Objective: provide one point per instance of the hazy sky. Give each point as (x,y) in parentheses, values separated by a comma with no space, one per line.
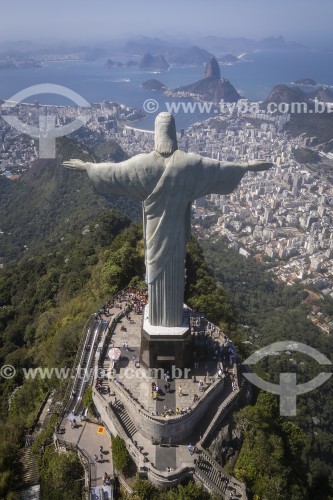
(81,20)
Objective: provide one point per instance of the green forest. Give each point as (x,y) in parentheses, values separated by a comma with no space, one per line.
(281,457)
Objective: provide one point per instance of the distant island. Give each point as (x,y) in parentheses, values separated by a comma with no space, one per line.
(113,64)
(154,84)
(228,60)
(211,88)
(306,82)
(153,63)
(117,64)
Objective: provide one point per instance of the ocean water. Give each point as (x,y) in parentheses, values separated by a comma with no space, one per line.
(254,77)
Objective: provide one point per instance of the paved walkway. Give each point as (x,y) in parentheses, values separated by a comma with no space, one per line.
(90,437)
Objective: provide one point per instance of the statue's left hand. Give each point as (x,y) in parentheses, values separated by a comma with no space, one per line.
(259,165)
(75,164)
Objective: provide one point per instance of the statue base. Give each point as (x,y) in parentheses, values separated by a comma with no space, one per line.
(164,347)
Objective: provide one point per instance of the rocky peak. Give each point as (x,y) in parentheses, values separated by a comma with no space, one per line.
(212,69)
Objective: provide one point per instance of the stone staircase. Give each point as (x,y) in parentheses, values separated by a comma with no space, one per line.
(218,479)
(27,469)
(124,419)
(215,476)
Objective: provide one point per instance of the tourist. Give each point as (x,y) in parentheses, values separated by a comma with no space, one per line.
(190,449)
(180,390)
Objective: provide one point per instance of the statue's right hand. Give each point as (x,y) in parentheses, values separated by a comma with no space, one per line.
(75,164)
(259,165)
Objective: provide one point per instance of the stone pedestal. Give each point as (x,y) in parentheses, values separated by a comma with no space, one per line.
(164,347)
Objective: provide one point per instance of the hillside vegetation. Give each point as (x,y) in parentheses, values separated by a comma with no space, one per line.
(50,201)
(281,457)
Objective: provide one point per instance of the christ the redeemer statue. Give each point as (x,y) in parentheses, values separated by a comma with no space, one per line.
(166,181)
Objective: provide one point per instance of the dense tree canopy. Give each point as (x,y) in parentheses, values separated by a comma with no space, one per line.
(290,457)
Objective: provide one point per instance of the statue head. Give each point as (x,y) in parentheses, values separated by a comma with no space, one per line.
(165,134)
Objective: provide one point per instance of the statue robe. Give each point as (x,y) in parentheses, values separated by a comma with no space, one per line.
(166,186)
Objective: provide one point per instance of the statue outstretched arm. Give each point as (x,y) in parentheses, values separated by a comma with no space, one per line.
(126,178)
(258,166)
(76,164)
(223,177)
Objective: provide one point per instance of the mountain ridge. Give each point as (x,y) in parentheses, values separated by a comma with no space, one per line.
(51,200)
